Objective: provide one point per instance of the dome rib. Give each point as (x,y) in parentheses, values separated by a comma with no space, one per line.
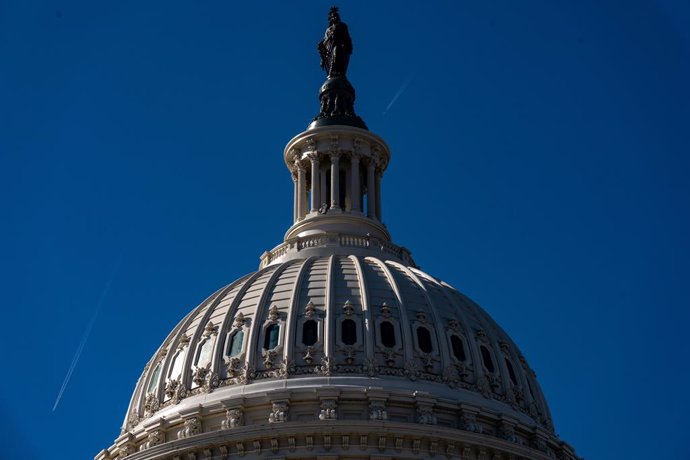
(402,311)
(329,310)
(260,312)
(194,340)
(442,347)
(229,316)
(173,346)
(366,310)
(289,353)
(217,357)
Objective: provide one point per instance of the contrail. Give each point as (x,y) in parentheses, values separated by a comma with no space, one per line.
(85,337)
(400,91)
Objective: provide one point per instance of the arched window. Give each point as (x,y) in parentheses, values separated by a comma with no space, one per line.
(348,332)
(310,332)
(271,337)
(486,357)
(387,334)
(235,345)
(511,372)
(153,384)
(458,348)
(424,340)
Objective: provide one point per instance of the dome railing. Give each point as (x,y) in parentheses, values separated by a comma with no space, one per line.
(293,246)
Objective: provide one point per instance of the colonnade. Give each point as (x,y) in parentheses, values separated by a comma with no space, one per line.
(328,192)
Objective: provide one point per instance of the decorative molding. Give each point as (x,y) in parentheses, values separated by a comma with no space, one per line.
(151,404)
(377,410)
(233,419)
(328,410)
(192,427)
(348,309)
(175,390)
(210,330)
(279,412)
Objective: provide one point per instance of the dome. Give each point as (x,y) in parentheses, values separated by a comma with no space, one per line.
(344,339)
(339,346)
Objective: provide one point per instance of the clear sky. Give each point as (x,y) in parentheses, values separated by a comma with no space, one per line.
(540,165)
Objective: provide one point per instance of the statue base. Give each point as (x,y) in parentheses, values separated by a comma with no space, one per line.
(337,97)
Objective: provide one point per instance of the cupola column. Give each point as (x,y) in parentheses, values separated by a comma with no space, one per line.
(354,180)
(378,194)
(295,212)
(315,182)
(335,180)
(301,190)
(371,189)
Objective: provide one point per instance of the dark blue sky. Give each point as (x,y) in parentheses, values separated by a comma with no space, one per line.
(540,165)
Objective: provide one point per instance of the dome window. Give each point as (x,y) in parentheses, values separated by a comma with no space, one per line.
(348,332)
(486,357)
(424,340)
(204,355)
(511,372)
(271,336)
(153,384)
(387,334)
(458,348)
(235,347)
(310,333)
(176,371)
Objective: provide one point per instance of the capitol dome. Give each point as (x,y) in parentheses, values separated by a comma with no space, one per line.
(339,346)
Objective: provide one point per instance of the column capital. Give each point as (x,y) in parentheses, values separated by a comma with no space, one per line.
(299,166)
(294,155)
(335,142)
(313,156)
(357,145)
(335,155)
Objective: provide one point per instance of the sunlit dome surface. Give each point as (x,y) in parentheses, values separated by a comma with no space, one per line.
(340,320)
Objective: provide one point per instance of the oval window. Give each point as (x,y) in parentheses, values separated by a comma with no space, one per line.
(153,384)
(458,348)
(176,371)
(204,356)
(486,357)
(387,334)
(348,331)
(271,337)
(511,372)
(310,332)
(235,347)
(424,340)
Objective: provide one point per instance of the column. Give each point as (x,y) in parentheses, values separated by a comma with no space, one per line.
(315,182)
(378,195)
(371,190)
(354,180)
(335,181)
(295,194)
(324,188)
(301,190)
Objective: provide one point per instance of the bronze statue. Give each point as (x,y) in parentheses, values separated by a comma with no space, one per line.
(336,47)
(337,96)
